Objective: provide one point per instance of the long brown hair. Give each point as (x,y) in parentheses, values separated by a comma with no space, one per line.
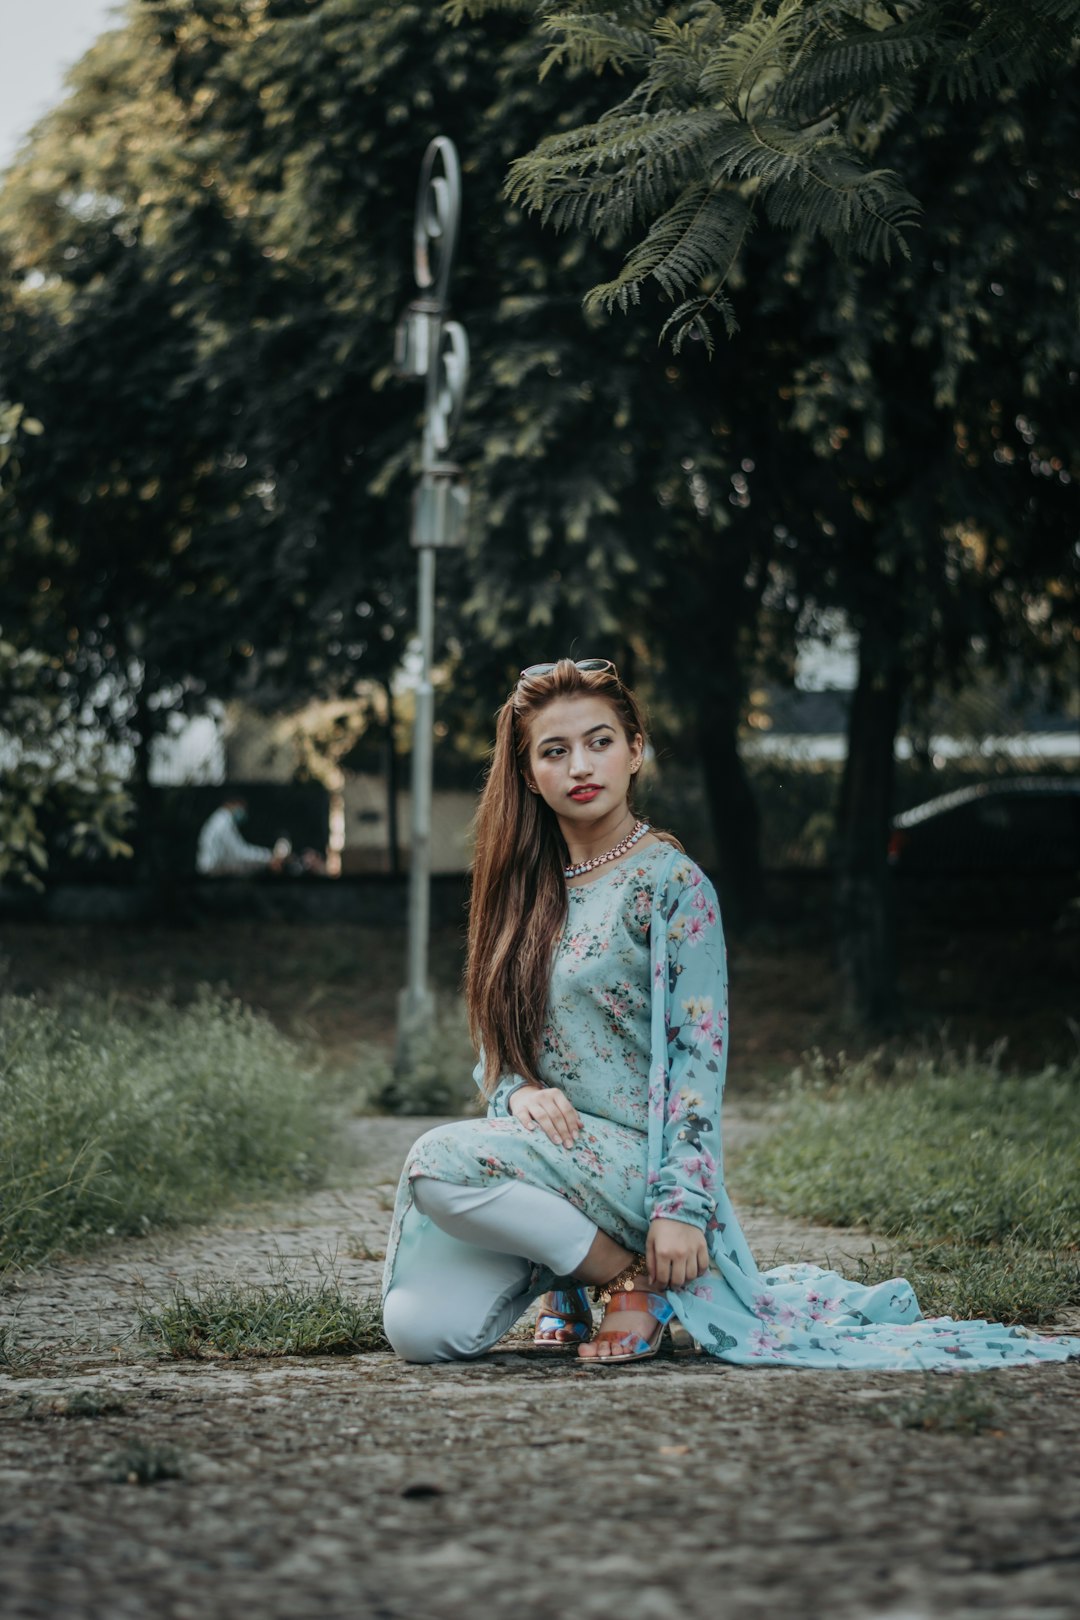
(518,904)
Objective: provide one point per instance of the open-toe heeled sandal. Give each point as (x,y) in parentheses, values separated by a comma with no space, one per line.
(631,1346)
(560,1309)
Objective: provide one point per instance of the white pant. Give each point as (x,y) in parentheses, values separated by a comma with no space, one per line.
(467,1266)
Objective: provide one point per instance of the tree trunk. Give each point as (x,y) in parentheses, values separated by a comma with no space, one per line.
(732,807)
(393,839)
(145,862)
(863,901)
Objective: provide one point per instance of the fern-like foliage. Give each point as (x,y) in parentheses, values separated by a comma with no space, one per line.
(597,42)
(459,11)
(1006,46)
(699,236)
(607,177)
(772,106)
(745,67)
(843,68)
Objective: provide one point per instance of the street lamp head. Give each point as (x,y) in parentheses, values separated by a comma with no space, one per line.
(415,338)
(438,212)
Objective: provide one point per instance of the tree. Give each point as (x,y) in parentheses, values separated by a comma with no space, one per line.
(239,251)
(749,113)
(51,772)
(908,511)
(945,397)
(211,243)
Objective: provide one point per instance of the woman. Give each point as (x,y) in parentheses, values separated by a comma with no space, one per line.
(597,991)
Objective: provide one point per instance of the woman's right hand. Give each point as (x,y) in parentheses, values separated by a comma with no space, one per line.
(549,1108)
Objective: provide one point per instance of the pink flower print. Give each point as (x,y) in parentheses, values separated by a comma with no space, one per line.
(671,1207)
(703,1027)
(695,877)
(699,902)
(788,1315)
(765,1304)
(710,915)
(761,1341)
(701,1290)
(674,1107)
(653,1177)
(695,930)
(616,1006)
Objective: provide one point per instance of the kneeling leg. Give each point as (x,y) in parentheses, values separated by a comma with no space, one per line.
(449,1300)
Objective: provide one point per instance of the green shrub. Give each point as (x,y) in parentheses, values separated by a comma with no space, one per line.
(439,1080)
(117,1124)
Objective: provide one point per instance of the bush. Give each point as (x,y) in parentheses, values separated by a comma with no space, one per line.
(439,1080)
(115,1124)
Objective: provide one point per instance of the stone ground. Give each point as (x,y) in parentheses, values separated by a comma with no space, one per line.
(521,1484)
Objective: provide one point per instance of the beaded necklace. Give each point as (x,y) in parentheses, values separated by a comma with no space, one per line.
(639,831)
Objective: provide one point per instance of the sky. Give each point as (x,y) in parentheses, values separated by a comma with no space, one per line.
(39,41)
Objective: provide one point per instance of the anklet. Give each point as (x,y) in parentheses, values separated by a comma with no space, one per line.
(602,1292)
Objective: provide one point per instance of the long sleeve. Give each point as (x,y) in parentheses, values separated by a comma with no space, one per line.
(499,1100)
(222,847)
(689,1071)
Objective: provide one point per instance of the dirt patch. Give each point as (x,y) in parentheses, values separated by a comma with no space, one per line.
(357,1487)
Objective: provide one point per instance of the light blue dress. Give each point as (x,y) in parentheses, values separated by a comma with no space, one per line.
(636,1035)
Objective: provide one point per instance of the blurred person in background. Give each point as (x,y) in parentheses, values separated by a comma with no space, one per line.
(223,851)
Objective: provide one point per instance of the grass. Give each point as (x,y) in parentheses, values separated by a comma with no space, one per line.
(949,1406)
(973,1171)
(1005,1283)
(230,1321)
(143,1462)
(936,1151)
(118,1122)
(81,1403)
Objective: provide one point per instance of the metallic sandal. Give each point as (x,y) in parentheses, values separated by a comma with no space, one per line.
(631,1346)
(564,1308)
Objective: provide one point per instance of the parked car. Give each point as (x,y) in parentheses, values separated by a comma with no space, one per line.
(1029,823)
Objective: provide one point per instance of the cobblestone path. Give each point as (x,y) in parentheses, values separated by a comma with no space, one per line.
(359,1489)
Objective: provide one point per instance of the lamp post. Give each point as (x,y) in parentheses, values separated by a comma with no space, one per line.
(428,345)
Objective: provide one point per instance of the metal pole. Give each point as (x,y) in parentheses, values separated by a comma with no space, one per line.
(418,1001)
(429,346)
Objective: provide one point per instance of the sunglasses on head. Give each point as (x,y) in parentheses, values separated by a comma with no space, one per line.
(588,665)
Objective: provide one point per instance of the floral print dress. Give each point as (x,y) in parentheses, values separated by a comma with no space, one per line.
(636,1036)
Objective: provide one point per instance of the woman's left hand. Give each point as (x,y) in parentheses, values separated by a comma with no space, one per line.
(675,1254)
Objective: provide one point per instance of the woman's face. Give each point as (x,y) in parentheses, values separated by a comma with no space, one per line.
(581,759)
